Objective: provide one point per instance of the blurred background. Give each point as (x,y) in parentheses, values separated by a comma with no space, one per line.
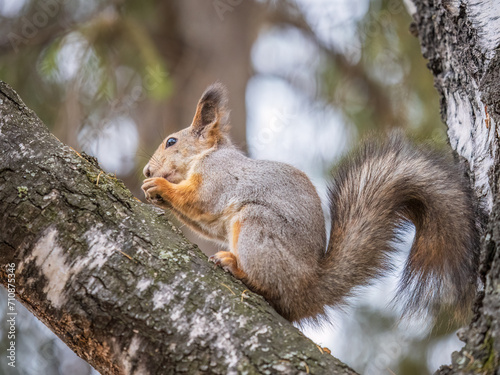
(306,80)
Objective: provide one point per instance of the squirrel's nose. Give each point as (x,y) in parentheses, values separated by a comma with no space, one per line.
(146,171)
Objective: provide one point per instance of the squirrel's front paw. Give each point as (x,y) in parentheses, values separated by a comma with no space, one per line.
(229,262)
(153,188)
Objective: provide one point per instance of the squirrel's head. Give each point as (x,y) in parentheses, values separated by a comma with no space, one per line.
(209,129)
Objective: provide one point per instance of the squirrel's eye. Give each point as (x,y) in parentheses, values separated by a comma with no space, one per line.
(170,142)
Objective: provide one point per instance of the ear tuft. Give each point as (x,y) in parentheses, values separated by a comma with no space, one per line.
(216,93)
(212,108)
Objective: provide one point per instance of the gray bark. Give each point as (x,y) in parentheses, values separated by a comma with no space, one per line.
(461,40)
(116,281)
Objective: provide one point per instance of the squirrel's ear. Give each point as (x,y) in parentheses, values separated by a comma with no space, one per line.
(212,114)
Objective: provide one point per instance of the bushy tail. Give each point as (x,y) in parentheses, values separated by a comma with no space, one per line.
(384,185)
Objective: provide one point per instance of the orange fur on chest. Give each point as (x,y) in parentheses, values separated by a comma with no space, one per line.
(185,196)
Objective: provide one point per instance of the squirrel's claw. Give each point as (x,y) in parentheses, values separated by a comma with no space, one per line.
(214,259)
(152,190)
(229,263)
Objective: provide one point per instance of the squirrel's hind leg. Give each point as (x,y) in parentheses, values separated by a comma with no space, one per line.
(277,262)
(241,235)
(229,260)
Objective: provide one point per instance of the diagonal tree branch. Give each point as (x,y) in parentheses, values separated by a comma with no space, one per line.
(116,280)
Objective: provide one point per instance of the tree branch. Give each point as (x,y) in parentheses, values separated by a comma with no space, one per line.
(116,281)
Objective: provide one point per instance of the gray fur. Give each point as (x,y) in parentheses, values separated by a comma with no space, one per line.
(280,250)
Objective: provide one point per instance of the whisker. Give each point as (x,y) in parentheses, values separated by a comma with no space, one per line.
(155,159)
(155,163)
(141,152)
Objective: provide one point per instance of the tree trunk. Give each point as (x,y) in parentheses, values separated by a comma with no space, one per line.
(115,280)
(461,40)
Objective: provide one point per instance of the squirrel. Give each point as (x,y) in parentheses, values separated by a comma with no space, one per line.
(268,217)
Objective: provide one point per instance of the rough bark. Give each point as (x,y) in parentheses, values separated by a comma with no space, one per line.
(116,281)
(461,40)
